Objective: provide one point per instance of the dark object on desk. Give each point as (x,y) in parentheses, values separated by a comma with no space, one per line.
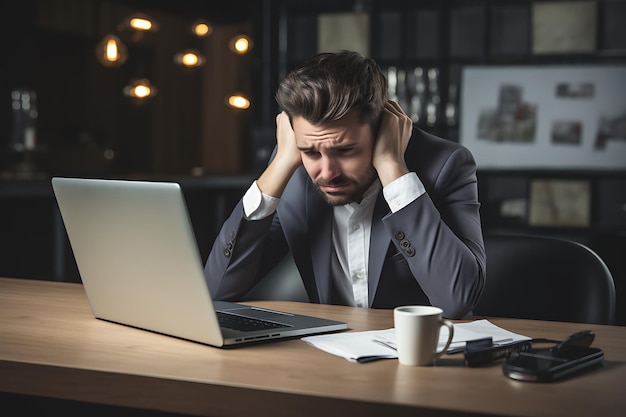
(481,352)
(570,357)
(483,355)
(546,278)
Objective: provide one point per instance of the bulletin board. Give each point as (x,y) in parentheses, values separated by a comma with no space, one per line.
(570,117)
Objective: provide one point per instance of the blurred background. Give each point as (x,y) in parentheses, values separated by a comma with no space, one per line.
(184,91)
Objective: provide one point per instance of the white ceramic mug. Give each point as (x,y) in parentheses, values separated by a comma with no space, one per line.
(417,334)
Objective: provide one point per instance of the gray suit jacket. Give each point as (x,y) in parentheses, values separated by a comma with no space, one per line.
(430,252)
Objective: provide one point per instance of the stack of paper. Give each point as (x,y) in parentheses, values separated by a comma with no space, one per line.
(379,344)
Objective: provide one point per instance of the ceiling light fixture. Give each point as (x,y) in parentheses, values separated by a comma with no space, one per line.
(141,23)
(201,29)
(139,88)
(189,58)
(240,44)
(111,51)
(238,101)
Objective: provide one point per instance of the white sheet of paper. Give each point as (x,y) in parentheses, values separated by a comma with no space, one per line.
(360,346)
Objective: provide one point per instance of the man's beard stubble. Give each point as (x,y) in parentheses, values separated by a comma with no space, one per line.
(355,197)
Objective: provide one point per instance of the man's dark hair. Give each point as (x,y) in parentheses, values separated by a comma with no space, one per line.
(328,86)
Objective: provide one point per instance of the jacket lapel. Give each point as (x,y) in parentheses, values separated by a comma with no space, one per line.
(379,243)
(320,216)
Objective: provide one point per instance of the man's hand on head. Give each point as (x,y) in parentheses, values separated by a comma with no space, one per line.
(287,159)
(286,141)
(391,142)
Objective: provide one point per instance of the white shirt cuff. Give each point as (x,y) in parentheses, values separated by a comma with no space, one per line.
(256,205)
(403,191)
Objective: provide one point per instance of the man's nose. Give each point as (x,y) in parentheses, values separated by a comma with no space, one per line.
(329,169)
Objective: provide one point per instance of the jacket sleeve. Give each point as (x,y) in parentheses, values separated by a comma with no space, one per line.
(239,257)
(440,236)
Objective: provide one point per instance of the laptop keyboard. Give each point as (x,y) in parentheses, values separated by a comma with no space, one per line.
(245,324)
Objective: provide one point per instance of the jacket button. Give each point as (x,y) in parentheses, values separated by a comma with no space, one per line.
(399,235)
(405,244)
(410,251)
(227,253)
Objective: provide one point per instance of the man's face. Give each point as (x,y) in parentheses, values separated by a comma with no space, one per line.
(337,156)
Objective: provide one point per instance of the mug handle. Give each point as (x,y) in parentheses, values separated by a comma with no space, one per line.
(450,326)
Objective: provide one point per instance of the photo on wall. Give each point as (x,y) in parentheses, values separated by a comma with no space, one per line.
(545,117)
(559,202)
(564,27)
(511,120)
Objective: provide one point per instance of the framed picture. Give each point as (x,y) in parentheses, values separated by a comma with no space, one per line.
(559,203)
(336,31)
(545,117)
(564,27)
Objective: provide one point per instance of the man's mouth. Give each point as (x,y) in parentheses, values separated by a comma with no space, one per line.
(334,188)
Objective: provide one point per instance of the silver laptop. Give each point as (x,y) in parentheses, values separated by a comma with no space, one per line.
(140,265)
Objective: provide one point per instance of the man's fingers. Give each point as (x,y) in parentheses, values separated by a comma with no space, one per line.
(394,107)
(280,116)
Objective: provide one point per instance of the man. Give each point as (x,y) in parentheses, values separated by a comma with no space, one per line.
(375,212)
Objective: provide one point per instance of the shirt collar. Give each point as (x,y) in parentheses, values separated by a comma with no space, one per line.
(370,195)
(369,198)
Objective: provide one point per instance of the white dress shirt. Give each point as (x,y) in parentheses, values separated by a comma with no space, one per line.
(351,231)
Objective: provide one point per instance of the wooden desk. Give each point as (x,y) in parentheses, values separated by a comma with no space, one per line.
(51,346)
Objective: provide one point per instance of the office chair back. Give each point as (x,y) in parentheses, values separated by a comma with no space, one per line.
(546,278)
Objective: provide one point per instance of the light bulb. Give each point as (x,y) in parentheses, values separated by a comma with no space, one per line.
(139,88)
(202,29)
(238,101)
(241,44)
(111,52)
(189,58)
(140,23)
